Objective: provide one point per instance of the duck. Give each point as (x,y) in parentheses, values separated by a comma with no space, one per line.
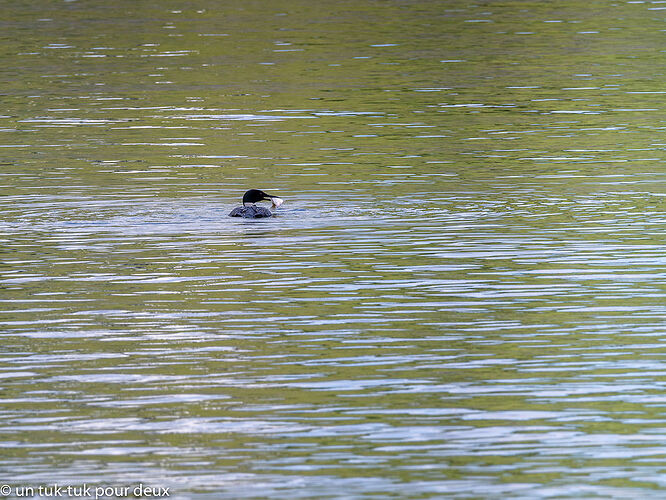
(250,210)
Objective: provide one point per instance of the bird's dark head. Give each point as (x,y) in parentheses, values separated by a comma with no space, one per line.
(255,195)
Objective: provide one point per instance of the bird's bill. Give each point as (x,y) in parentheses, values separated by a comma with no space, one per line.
(273,199)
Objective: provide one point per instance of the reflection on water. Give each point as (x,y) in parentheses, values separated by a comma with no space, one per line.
(461,297)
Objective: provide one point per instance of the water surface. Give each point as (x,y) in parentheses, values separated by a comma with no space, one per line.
(462,296)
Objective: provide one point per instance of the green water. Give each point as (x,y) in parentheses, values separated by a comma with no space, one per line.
(462,296)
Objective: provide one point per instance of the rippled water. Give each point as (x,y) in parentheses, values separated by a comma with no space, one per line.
(462,296)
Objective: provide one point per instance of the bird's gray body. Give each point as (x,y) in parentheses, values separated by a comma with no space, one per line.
(250,212)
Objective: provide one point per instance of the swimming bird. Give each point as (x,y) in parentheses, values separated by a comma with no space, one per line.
(251,211)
